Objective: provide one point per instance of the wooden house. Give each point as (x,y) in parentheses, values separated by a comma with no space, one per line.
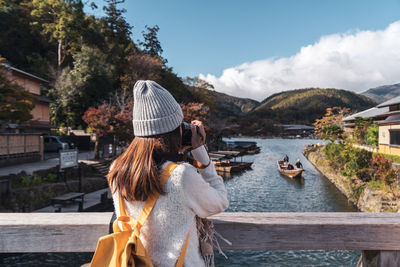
(40,123)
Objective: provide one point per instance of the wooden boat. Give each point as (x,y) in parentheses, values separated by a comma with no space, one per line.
(296,172)
(229,166)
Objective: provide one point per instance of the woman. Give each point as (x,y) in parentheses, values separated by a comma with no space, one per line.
(189,191)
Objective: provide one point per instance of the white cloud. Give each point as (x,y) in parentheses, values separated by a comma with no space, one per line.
(353,61)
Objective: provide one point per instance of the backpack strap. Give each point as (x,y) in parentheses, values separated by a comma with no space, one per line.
(148,207)
(181,258)
(151,200)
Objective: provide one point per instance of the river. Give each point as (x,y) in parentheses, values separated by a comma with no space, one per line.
(261,189)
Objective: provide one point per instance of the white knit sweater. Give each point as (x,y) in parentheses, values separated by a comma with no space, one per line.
(189,192)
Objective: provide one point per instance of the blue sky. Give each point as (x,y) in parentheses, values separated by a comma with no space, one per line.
(208,37)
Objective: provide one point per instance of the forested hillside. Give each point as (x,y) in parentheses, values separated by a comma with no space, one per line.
(306,105)
(88,60)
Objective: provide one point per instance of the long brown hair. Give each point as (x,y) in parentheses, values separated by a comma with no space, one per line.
(135,174)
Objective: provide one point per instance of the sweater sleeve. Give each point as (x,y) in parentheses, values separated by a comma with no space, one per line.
(205,192)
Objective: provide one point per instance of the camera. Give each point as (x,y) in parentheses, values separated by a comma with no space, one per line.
(187,134)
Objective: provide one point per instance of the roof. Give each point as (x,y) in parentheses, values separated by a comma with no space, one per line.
(393,101)
(297,127)
(44,99)
(24,73)
(369,113)
(391,119)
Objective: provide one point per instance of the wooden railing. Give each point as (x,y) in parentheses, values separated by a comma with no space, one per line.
(79,232)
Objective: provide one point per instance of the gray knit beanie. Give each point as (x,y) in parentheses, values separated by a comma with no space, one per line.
(155,110)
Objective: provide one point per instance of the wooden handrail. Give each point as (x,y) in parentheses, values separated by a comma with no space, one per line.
(79,232)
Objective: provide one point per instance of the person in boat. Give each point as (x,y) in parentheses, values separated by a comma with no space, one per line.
(286,158)
(298,164)
(290,167)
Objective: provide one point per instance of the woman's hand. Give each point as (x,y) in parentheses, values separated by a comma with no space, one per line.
(198,134)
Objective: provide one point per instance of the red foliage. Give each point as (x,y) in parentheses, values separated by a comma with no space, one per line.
(100,119)
(195,111)
(382,168)
(105,120)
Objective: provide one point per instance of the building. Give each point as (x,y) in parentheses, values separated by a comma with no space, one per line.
(40,123)
(389,129)
(387,117)
(377,114)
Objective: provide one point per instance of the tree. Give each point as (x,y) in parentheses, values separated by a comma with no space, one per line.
(151,45)
(117,31)
(87,84)
(61,21)
(15,102)
(106,119)
(140,67)
(196,111)
(360,128)
(99,120)
(20,43)
(330,125)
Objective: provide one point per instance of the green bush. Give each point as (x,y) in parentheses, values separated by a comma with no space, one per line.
(333,152)
(356,159)
(26,181)
(51,178)
(37,180)
(371,137)
(376,184)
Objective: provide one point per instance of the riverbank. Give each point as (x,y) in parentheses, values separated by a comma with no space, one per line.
(364,195)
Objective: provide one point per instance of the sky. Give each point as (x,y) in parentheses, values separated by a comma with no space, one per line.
(255,48)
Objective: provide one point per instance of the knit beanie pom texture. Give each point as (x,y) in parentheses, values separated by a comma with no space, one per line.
(155,111)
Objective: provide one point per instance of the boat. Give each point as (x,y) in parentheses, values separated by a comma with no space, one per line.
(296,172)
(223,164)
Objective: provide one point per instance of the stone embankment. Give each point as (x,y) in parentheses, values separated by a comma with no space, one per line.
(357,192)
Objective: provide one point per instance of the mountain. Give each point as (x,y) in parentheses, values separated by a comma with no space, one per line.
(383,93)
(221,104)
(306,105)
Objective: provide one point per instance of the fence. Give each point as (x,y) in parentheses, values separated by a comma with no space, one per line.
(18,148)
(376,234)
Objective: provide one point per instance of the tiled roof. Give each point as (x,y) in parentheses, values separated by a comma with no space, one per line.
(369,113)
(390,102)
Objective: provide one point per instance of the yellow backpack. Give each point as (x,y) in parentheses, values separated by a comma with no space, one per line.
(124,248)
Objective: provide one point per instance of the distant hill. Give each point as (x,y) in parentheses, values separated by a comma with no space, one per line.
(383,93)
(306,105)
(223,105)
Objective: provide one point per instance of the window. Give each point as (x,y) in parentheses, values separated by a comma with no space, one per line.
(394,107)
(395,137)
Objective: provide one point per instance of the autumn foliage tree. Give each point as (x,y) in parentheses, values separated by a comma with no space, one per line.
(99,121)
(329,127)
(107,119)
(195,111)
